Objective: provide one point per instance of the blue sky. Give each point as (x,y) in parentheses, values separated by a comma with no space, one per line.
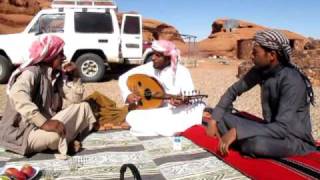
(196,17)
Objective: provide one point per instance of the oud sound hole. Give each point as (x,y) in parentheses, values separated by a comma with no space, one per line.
(139,84)
(147,94)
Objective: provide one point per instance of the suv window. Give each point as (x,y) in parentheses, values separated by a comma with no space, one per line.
(93,22)
(132,25)
(49,23)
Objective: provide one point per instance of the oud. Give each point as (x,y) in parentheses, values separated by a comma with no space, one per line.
(153,95)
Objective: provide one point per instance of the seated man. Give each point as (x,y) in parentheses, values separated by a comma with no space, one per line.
(34,119)
(174,116)
(286,95)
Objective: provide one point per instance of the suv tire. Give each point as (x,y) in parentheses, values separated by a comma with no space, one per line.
(5,69)
(91,67)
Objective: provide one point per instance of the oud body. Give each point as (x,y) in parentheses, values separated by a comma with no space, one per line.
(152,93)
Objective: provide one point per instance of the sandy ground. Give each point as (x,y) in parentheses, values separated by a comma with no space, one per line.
(211,77)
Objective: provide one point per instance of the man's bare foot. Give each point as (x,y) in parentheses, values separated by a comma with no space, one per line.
(125,125)
(77,146)
(74,147)
(226,140)
(206,115)
(107,126)
(122,126)
(212,129)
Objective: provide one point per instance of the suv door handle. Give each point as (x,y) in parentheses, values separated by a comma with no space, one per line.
(103,40)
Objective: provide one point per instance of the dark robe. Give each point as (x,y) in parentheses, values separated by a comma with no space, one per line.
(286,128)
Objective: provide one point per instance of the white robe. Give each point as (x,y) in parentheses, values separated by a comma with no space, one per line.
(166,120)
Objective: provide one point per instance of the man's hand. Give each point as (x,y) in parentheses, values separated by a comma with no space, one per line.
(70,68)
(133,98)
(226,140)
(176,102)
(54,126)
(212,129)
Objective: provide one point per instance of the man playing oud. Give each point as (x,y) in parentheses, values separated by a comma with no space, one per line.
(174,115)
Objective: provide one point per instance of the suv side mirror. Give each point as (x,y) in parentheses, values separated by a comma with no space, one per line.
(38,33)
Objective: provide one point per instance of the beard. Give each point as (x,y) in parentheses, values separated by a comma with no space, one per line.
(259,64)
(161,66)
(262,67)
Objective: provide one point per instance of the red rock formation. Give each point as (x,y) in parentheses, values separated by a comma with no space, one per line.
(233,39)
(307,60)
(28,7)
(153,29)
(16,14)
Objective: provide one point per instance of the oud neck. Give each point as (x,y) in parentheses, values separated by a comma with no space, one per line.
(165,96)
(169,96)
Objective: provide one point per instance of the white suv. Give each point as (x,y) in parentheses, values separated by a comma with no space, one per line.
(92,34)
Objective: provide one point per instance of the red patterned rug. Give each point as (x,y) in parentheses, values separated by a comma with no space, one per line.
(293,168)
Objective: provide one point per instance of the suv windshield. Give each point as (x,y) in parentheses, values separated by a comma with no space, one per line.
(49,23)
(93,22)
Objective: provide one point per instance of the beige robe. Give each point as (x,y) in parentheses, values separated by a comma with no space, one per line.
(35,98)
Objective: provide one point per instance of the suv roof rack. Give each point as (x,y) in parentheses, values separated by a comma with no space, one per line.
(92,4)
